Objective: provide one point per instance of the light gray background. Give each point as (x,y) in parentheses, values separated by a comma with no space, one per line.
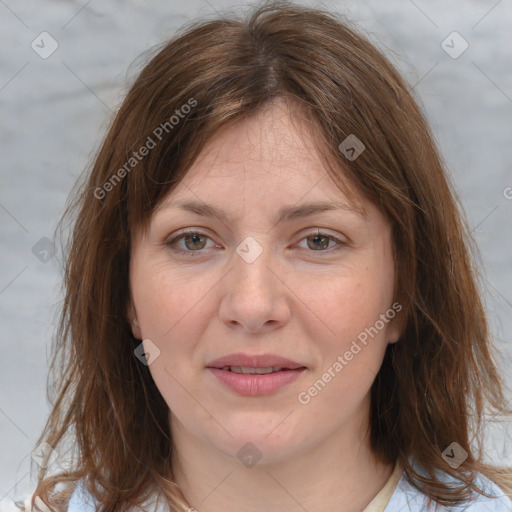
(54,113)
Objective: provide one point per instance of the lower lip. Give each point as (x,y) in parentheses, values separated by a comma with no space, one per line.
(254,384)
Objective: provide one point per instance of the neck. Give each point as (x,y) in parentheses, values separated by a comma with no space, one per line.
(339,475)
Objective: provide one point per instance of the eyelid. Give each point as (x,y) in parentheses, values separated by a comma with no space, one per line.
(319,232)
(181,235)
(193,231)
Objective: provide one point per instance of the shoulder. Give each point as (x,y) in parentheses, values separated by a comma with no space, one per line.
(407,498)
(82,501)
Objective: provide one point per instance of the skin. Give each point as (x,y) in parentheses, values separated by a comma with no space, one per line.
(302,298)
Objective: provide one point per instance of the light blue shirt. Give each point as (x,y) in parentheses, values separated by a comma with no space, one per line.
(406,498)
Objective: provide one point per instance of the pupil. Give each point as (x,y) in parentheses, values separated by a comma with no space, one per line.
(195,239)
(316,238)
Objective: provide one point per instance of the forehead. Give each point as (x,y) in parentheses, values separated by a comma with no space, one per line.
(274,138)
(270,153)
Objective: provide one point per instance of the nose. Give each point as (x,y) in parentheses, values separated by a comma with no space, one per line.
(255,297)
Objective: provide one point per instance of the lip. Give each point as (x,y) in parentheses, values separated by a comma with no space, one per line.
(254,361)
(255,384)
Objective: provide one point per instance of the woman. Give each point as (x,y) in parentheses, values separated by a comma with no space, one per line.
(270,301)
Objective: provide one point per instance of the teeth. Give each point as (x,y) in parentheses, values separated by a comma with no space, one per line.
(248,370)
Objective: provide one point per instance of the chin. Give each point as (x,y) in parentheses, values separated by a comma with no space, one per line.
(264,444)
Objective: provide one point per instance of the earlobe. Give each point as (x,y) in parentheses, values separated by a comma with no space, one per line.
(394,331)
(136,329)
(396,326)
(134,323)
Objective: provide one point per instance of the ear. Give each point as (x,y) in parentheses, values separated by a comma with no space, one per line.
(131,316)
(396,324)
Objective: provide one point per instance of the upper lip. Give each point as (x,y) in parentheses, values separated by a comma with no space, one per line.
(254,361)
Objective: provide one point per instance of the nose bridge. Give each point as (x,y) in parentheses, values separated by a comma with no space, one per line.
(252,261)
(253,298)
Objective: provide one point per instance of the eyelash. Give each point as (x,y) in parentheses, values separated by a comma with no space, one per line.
(171,243)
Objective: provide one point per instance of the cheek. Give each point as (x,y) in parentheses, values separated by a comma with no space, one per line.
(353,301)
(165,298)
(357,308)
(167,306)
(351,355)
(174,308)
(370,293)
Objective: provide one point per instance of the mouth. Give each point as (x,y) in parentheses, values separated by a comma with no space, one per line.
(252,363)
(255,381)
(248,370)
(255,376)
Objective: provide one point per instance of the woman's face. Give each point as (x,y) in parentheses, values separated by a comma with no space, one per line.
(263,278)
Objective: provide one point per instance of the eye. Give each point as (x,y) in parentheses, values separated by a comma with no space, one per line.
(193,242)
(319,241)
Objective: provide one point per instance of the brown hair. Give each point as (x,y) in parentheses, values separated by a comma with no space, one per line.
(438,377)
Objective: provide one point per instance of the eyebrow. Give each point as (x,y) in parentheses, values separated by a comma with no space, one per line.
(287,213)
